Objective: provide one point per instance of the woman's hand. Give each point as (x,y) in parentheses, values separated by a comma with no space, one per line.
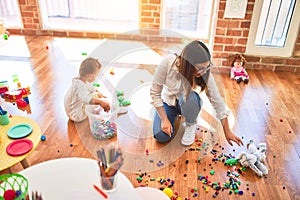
(231,137)
(166,127)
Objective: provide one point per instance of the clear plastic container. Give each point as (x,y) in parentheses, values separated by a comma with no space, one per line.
(102,124)
(109,184)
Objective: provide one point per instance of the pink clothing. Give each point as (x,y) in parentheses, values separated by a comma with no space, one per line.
(241,73)
(238,72)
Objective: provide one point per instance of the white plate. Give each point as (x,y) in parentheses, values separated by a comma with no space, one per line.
(149,193)
(77,194)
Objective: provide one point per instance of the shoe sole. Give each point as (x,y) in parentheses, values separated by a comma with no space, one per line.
(186,143)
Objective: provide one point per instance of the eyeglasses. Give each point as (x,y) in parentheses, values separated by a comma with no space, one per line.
(204,69)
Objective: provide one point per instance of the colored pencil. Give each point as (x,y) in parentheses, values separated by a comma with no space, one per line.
(99,155)
(100,191)
(104,158)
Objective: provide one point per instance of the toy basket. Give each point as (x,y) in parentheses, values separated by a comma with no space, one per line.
(15,182)
(102,124)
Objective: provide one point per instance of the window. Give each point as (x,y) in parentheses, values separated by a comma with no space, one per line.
(189,17)
(274,28)
(9,11)
(90,15)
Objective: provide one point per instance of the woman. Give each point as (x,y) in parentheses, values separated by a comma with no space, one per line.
(174,93)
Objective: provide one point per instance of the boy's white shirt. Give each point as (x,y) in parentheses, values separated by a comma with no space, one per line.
(167,87)
(76,97)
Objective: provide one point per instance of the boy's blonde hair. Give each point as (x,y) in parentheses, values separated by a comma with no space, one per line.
(89,66)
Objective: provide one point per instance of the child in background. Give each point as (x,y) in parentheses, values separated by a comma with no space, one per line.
(238,72)
(82,92)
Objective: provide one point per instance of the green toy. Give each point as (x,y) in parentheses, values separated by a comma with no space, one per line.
(121,100)
(125,103)
(119,93)
(96,85)
(231,161)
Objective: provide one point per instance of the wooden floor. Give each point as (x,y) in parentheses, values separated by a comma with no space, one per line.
(266,109)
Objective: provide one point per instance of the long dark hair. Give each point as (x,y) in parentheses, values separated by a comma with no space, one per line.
(192,54)
(202,80)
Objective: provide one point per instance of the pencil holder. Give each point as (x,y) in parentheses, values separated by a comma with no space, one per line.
(13,186)
(102,124)
(110,161)
(108,183)
(4,119)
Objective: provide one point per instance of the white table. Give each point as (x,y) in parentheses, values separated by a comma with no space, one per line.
(149,193)
(73,178)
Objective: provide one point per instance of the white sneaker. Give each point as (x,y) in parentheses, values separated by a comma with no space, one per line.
(188,137)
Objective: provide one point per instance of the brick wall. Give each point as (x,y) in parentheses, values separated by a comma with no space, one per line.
(230,35)
(150,14)
(149,24)
(31,19)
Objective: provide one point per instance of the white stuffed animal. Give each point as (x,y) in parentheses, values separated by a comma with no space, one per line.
(254,158)
(259,150)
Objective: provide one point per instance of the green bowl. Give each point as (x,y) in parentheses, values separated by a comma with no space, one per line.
(13,182)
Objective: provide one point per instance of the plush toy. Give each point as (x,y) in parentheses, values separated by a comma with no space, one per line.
(238,72)
(254,158)
(259,150)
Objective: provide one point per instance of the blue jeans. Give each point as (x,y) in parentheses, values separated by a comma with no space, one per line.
(189,109)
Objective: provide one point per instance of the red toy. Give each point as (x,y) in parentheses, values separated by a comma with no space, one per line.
(13,95)
(3,89)
(21,103)
(17,94)
(9,195)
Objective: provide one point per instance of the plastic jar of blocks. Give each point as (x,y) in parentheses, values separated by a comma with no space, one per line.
(102,124)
